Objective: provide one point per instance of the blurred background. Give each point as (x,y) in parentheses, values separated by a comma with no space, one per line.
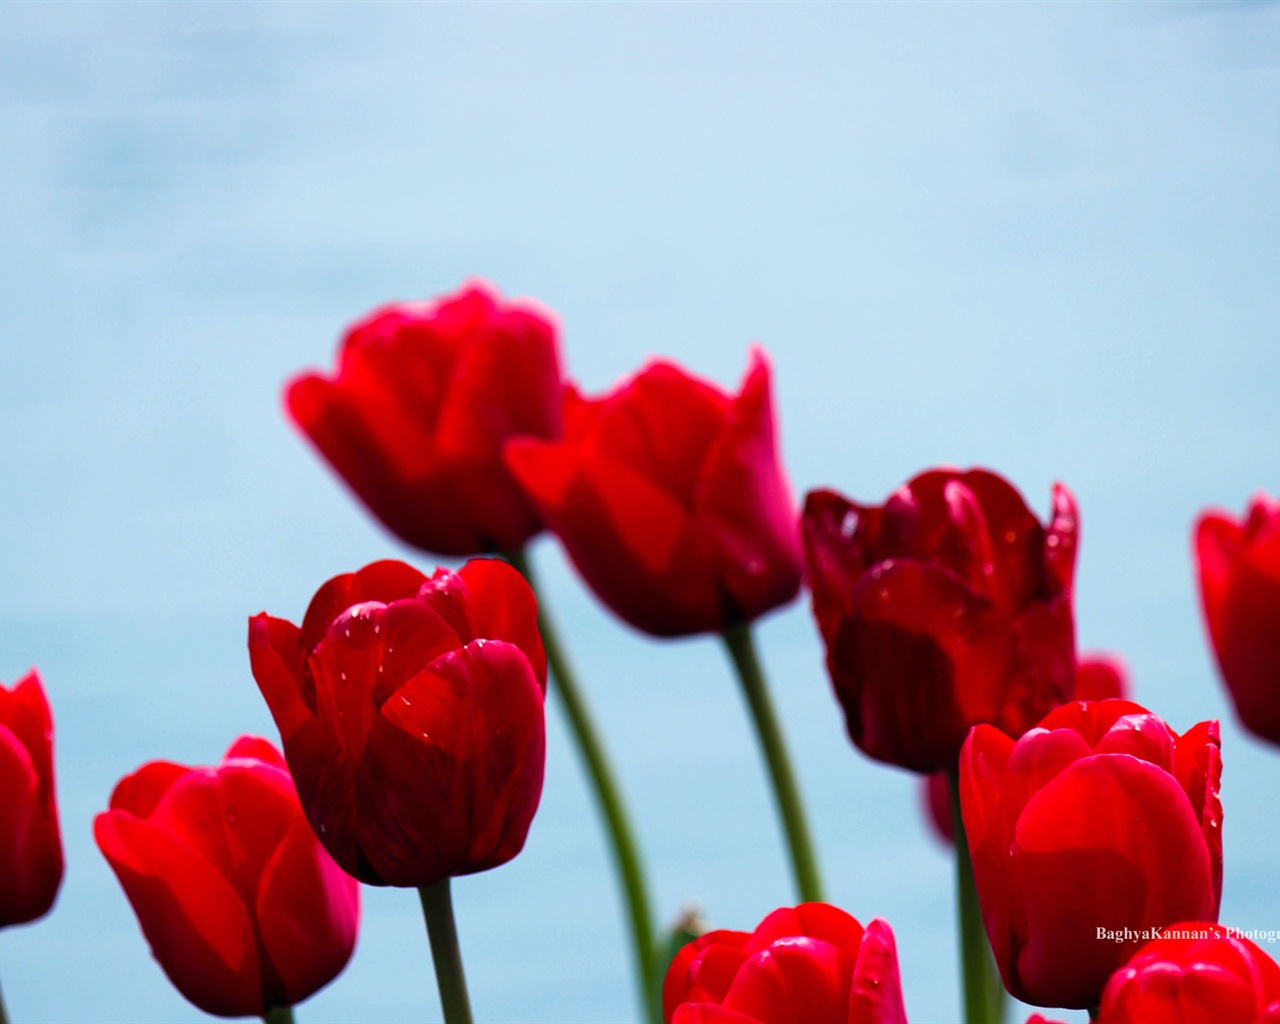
(1037,237)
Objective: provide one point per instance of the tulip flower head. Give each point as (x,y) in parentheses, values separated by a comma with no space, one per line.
(1239,564)
(1194,973)
(670,498)
(415,415)
(948,606)
(812,963)
(1096,826)
(30,841)
(242,907)
(411,713)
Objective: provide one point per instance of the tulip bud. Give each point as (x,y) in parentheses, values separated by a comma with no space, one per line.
(1095,827)
(415,415)
(411,713)
(241,906)
(948,606)
(30,842)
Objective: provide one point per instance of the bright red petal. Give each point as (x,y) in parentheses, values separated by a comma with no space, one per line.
(876,995)
(198,928)
(308,912)
(1112,842)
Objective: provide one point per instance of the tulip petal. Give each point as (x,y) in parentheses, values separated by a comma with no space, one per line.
(1198,768)
(984,760)
(710,1013)
(24,710)
(498,387)
(255,748)
(660,425)
(1101,677)
(140,792)
(368,653)
(30,845)
(921,656)
(201,809)
(276,660)
(836,536)
(743,502)
(384,582)
(636,546)
(452,773)
(1240,591)
(198,927)
(817,920)
(703,969)
(1111,842)
(796,980)
(876,992)
(308,912)
(487,599)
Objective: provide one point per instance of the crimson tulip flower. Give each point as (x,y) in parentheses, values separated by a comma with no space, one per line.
(1098,820)
(241,906)
(1098,677)
(416,413)
(411,712)
(30,842)
(1194,973)
(812,963)
(670,498)
(948,606)
(1240,591)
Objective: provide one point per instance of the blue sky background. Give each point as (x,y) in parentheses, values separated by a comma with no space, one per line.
(1037,237)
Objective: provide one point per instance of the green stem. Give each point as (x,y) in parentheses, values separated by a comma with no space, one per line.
(4,1017)
(437,908)
(278,1015)
(804,863)
(626,851)
(983,990)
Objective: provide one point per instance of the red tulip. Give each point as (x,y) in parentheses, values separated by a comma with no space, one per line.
(1098,820)
(948,606)
(1036,1018)
(416,414)
(241,906)
(30,843)
(670,498)
(411,715)
(1098,677)
(1195,973)
(1240,592)
(813,964)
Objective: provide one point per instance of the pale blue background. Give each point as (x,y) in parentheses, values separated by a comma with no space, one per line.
(1042,238)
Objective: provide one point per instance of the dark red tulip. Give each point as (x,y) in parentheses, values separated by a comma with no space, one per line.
(946,607)
(242,907)
(1240,592)
(1195,973)
(415,416)
(1098,820)
(30,843)
(813,964)
(1098,677)
(670,498)
(411,715)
